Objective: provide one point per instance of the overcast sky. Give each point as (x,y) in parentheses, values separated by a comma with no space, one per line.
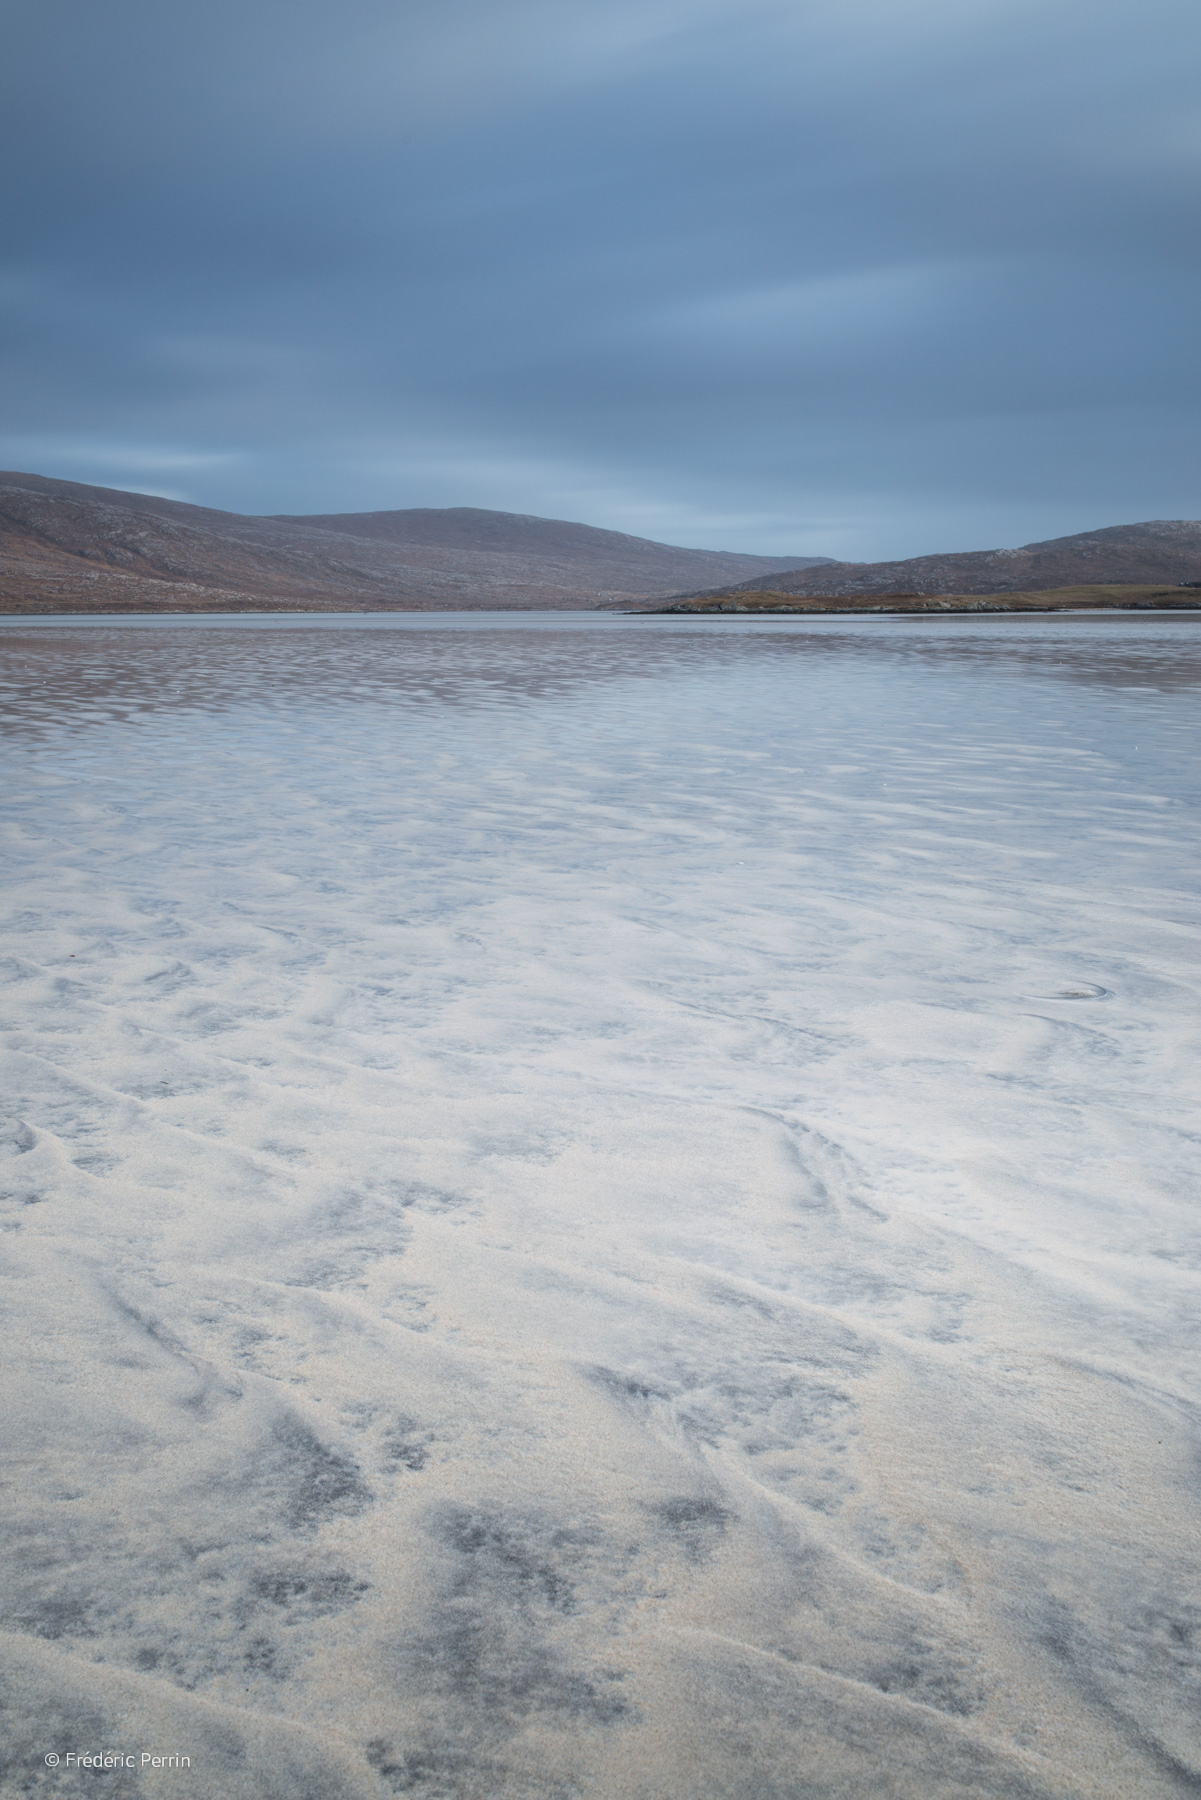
(860,278)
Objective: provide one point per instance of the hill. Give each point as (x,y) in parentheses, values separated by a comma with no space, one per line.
(1158,552)
(67,547)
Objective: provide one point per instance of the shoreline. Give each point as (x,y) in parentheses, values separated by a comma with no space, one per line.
(1099,598)
(750,604)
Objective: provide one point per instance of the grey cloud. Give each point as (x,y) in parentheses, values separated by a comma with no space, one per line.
(852,279)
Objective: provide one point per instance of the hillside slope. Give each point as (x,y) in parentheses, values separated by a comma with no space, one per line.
(1157,551)
(66,547)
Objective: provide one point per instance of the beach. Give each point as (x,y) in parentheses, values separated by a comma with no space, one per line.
(602,1207)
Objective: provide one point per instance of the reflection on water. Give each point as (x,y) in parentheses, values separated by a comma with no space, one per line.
(78,673)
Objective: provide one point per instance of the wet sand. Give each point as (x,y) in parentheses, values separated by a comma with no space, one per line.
(596,1209)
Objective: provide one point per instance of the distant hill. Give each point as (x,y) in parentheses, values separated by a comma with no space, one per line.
(66,547)
(1156,552)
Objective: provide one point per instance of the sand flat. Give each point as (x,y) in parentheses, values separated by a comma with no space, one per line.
(593,1208)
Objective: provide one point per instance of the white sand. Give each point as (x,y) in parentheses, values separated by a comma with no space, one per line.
(601,1208)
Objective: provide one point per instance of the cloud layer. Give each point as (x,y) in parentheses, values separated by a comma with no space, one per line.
(856,280)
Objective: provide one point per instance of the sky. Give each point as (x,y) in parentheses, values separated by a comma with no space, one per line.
(857,278)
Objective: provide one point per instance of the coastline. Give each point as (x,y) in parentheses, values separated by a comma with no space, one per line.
(1102,597)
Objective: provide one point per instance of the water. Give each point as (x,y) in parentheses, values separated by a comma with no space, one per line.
(602,1207)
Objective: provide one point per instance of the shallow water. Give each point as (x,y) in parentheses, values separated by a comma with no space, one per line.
(608,1209)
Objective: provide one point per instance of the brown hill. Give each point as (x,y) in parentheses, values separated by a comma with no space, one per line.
(1161,551)
(66,547)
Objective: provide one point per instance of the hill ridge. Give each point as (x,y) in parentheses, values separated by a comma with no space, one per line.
(1150,551)
(71,546)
